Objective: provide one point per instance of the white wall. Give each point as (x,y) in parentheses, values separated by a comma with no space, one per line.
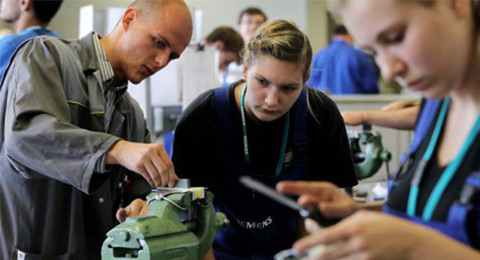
(2,24)
(310,15)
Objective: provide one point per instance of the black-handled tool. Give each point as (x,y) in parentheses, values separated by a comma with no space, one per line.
(311,212)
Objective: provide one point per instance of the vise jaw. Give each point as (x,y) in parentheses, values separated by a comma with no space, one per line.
(180,225)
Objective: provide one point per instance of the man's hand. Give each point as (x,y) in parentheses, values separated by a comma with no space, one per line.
(138,207)
(149,160)
(209,255)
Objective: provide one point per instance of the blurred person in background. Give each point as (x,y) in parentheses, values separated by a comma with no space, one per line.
(249,20)
(29,18)
(229,44)
(340,68)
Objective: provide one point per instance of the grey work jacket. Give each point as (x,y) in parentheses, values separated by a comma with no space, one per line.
(57,197)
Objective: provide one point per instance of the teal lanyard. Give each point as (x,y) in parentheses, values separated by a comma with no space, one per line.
(449,172)
(245,138)
(29,29)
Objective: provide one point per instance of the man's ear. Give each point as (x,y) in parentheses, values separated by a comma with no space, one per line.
(25,5)
(128,17)
(219,45)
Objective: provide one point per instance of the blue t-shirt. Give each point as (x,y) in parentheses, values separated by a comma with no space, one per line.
(9,44)
(342,69)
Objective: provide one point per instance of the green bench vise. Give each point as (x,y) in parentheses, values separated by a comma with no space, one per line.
(368,161)
(180,224)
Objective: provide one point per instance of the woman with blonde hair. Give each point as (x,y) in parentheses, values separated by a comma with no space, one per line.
(433,208)
(269,126)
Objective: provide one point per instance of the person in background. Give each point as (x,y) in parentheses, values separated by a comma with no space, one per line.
(73,142)
(249,20)
(433,206)
(229,44)
(340,68)
(269,126)
(29,18)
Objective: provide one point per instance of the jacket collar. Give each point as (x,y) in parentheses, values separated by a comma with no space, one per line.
(93,57)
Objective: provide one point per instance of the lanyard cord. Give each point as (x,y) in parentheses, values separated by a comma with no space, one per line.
(244,124)
(449,172)
(283,148)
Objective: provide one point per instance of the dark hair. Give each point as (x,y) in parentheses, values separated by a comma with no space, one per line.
(251,11)
(282,40)
(45,10)
(340,30)
(231,39)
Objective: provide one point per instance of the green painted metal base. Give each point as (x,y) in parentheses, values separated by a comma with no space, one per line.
(180,225)
(368,162)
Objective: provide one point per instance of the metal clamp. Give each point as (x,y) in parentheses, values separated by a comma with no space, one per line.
(163,197)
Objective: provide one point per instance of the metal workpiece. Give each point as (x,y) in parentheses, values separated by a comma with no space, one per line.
(180,225)
(368,161)
(290,254)
(311,212)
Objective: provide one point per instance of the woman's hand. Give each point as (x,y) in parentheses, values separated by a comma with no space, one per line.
(400,104)
(354,118)
(365,235)
(138,207)
(375,236)
(332,202)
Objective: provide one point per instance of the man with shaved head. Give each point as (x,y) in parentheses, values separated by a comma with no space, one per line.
(73,142)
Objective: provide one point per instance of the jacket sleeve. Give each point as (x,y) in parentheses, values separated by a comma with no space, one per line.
(366,74)
(40,140)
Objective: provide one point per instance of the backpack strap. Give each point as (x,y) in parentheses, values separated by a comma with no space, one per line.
(300,108)
(424,120)
(430,108)
(464,215)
